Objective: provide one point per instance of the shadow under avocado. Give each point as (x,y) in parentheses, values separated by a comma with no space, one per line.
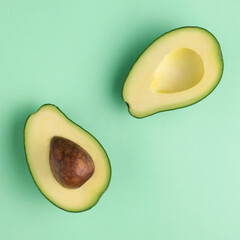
(144,37)
(24,182)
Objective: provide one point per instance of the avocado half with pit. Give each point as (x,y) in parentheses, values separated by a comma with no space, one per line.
(69,166)
(178,69)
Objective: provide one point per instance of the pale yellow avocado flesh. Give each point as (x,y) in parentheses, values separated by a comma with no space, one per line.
(40,127)
(178,69)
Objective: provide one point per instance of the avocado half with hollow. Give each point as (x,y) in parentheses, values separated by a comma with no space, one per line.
(69,166)
(178,69)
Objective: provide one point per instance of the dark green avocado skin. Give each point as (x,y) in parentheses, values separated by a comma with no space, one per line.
(35,180)
(220,75)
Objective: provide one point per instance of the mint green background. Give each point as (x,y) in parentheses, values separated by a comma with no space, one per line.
(176,175)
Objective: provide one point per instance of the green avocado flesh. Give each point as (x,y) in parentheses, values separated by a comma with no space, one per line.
(178,69)
(69,166)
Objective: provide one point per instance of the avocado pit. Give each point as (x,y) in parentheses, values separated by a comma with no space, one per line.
(71,165)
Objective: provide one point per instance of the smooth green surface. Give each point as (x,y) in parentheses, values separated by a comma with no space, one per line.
(175,175)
